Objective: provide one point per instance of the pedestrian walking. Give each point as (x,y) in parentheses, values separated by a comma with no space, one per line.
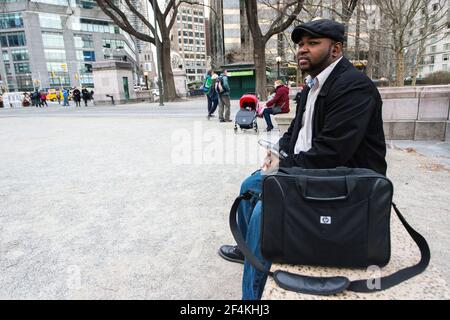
(86,96)
(66,98)
(76,95)
(43,98)
(223,89)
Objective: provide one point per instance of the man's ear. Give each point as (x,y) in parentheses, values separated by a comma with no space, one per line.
(337,49)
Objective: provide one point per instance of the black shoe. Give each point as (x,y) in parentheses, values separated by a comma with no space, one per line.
(208,116)
(221,120)
(231,253)
(229,120)
(269,129)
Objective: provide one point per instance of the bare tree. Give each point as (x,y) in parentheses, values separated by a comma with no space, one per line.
(165,18)
(403,16)
(282,21)
(347,7)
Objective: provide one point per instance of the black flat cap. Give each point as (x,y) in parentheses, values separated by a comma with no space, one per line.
(321,28)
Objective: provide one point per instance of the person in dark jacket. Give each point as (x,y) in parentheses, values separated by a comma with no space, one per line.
(76,95)
(338,123)
(86,96)
(213,96)
(278,104)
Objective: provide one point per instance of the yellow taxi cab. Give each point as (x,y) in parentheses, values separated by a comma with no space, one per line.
(52,94)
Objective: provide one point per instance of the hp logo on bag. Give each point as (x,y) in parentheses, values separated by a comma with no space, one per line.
(325,220)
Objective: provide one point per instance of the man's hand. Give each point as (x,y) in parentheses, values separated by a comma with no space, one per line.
(271,162)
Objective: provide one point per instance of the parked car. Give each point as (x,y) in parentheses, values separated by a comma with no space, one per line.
(52,94)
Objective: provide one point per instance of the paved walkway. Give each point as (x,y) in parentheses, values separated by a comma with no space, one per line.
(132,202)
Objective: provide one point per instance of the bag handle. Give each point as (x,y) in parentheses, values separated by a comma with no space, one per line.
(302,183)
(330,285)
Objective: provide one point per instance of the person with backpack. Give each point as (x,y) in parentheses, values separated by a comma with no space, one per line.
(213,96)
(205,88)
(223,89)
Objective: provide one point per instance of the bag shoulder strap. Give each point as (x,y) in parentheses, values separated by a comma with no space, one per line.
(331,285)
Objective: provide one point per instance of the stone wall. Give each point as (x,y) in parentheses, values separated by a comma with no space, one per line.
(411,113)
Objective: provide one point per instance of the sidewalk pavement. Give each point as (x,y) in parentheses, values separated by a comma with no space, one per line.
(102,203)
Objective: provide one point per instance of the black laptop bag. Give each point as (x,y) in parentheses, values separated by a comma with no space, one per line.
(327,217)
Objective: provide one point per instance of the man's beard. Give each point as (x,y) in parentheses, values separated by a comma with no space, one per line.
(320,65)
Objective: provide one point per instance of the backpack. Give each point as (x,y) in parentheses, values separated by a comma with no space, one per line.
(206,85)
(219,85)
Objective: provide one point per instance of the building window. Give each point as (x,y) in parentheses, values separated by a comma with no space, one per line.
(13,39)
(53,40)
(55,54)
(88,4)
(59,79)
(57,67)
(24,82)
(96,26)
(435,7)
(433,49)
(20,54)
(11,20)
(444,67)
(7,68)
(56,2)
(431,68)
(447,46)
(445,57)
(88,56)
(83,41)
(5,56)
(22,67)
(48,20)
(431,59)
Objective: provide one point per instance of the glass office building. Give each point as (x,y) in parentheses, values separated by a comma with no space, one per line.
(54,43)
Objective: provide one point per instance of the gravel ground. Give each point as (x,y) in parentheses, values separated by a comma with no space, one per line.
(134,205)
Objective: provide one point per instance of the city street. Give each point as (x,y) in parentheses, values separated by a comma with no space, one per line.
(132,201)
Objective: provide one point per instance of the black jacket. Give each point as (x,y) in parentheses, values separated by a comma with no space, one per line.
(347,125)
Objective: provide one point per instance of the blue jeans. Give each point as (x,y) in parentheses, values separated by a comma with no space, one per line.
(266,113)
(249,220)
(212,104)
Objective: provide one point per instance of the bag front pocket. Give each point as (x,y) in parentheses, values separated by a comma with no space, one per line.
(327,234)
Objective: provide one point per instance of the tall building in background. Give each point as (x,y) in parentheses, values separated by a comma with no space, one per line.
(437,47)
(146,65)
(53,43)
(189,40)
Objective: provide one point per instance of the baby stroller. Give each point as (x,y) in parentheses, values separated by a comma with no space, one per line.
(246,116)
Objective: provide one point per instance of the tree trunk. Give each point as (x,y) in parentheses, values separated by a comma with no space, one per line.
(170,93)
(371,56)
(259,56)
(419,56)
(358,29)
(400,67)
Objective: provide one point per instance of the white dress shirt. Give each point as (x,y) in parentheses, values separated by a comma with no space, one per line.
(304,139)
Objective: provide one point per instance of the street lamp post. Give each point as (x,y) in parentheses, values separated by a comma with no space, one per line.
(278,59)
